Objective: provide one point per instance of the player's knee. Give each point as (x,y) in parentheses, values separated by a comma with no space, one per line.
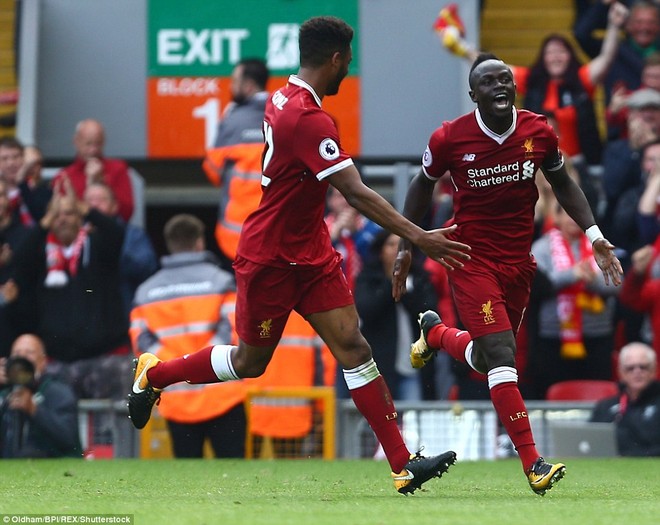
(494,351)
(250,370)
(250,364)
(479,363)
(501,356)
(353,354)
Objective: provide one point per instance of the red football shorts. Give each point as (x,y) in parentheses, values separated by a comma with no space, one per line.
(491,297)
(266,295)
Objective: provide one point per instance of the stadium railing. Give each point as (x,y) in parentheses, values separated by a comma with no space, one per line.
(470,428)
(105,430)
(318,442)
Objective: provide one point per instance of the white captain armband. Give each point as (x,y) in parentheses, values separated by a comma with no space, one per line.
(593,233)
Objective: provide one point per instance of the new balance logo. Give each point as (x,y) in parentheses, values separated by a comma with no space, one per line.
(469,157)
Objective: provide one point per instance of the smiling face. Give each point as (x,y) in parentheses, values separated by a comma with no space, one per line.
(636,367)
(651,76)
(67,221)
(11,161)
(651,158)
(556,58)
(643,25)
(493,89)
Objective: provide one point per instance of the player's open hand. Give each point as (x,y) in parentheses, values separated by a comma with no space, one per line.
(400,273)
(607,261)
(438,246)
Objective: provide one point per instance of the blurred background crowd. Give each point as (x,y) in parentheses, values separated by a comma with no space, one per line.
(83,288)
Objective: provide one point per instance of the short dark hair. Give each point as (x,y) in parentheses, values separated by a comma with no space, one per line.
(321,37)
(256,70)
(182,232)
(481,58)
(11,143)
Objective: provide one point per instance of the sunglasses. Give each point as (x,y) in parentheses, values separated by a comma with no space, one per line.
(645,367)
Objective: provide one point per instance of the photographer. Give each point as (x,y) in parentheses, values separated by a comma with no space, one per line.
(38,413)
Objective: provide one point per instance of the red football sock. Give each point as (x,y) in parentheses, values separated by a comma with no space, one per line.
(512,412)
(194,368)
(451,340)
(374,402)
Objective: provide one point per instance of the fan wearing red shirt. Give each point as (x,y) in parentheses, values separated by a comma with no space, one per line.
(286,261)
(492,155)
(91,166)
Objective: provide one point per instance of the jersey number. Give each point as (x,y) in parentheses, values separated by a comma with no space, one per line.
(268,153)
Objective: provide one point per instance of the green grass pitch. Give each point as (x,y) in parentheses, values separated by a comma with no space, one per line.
(316,492)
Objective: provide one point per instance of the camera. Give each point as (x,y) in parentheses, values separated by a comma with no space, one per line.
(20,372)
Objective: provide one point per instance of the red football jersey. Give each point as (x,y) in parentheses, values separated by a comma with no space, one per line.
(302,151)
(493,179)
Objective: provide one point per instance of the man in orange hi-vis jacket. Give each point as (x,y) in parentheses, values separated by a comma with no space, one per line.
(234,163)
(187,304)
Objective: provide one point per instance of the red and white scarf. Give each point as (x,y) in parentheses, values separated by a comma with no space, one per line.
(16,203)
(61,261)
(572,300)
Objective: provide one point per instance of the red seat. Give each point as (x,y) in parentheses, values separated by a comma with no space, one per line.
(581,390)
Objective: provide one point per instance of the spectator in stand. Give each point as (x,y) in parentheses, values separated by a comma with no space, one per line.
(622,157)
(616,114)
(558,84)
(629,227)
(388,326)
(574,336)
(185,305)
(351,233)
(38,412)
(12,234)
(34,190)
(631,219)
(641,289)
(68,280)
(138,259)
(11,161)
(642,37)
(234,162)
(636,410)
(90,165)
(20,169)
(648,207)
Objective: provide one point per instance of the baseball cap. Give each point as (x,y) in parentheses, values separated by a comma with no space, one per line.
(644,98)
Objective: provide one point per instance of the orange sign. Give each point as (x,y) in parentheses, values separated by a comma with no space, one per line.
(183,113)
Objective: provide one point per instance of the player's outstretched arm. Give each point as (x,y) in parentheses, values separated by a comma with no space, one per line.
(435,243)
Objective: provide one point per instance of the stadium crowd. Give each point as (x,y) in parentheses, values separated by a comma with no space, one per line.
(76,273)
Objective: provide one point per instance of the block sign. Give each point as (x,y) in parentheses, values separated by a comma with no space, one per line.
(193,49)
